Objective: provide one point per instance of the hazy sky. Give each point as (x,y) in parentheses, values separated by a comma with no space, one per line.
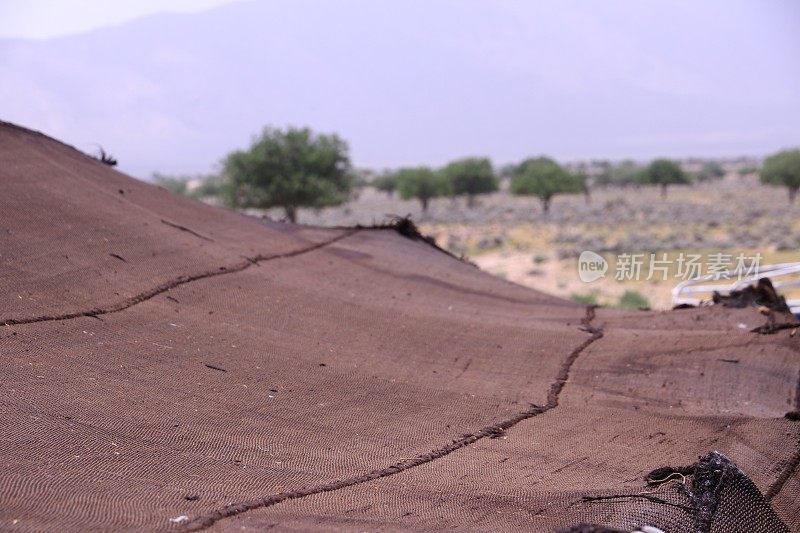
(174,85)
(42,19)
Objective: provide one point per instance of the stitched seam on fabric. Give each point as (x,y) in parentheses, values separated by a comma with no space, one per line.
(494,430)
(177,282)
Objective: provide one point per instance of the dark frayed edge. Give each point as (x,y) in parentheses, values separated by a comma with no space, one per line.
(106,158)
(710,475)
(761,293)
(405,226)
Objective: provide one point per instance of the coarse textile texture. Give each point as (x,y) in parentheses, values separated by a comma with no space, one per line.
(171,365)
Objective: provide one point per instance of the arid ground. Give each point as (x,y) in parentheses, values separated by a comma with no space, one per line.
(512,238)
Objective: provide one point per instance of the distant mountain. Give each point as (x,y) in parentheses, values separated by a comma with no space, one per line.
(414,82)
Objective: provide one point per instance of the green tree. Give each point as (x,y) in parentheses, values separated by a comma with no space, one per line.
(544,178)
(289,168)
(623,173)
(664,172)
(421,183)
(783,170)
(470,177)
(386,182)
(710,171)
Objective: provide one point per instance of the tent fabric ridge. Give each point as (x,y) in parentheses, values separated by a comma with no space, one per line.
(405,226)
(785,475)
(492,431)
(118,426)
(794,462)
(17,127)
(455,287)
(181,280)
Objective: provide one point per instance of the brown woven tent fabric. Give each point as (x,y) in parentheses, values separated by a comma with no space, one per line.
(167,364)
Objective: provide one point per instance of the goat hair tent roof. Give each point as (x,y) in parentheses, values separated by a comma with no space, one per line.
(171,365)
